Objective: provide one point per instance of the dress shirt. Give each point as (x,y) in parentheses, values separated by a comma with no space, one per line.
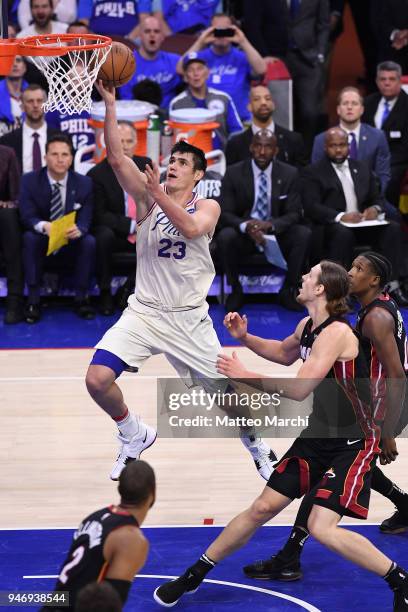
(39,227)
(342,171)
(380,111)
(356,132)
(28,145)
(271,127)
(257,172)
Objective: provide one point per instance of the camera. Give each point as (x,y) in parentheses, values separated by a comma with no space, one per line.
(223,32)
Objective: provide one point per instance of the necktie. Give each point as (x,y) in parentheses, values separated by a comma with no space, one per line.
(131,212)
(352,146)
(294,8)
(386,112)
(348,189)
(57,208)
(261,210)
(37,162)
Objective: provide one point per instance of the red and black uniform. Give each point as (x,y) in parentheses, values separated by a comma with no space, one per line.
(337,451)
(378,374)
(85,562)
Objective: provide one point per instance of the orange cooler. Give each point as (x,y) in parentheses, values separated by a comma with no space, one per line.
(127,110)
(195,125)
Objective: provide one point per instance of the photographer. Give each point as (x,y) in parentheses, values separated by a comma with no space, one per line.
(231,68)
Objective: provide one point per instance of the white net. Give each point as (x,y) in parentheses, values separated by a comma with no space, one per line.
(70,76)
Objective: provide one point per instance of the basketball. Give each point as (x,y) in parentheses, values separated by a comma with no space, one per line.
(119,66)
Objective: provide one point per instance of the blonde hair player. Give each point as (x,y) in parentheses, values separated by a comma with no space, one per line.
(168,312)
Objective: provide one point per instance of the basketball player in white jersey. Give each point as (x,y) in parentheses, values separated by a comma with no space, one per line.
(168,312)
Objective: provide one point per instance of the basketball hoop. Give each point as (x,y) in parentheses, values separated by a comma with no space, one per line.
(69,62)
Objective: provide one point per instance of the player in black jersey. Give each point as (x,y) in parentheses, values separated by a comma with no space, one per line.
(384,341)
(328,347)
(108,545)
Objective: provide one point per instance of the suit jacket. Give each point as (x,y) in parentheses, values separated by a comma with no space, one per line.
(372,147)
(14,140)
(310,30)
(291,147)
(238,195)
(9,176)
(266,26)
(322,192)
(109,209)
(395,127)
(35,198)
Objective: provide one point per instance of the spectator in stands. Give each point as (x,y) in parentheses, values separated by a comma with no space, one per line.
(64,10)
(390,19)
(47,195)
(261,196)
(154,64)
(11,89)
(10,234)
(387,110)
(303,50)
(116,17)
(114,221)
(199,95)
(290,144)
(231,68)
(42,12)
(262,24)
(365,142)
(30,139)
(338,190)
(186,17)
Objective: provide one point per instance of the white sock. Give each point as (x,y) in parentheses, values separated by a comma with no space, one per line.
(131,426)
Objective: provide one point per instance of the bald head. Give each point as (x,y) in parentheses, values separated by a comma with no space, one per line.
(263,148)
(336,145)
(151,37)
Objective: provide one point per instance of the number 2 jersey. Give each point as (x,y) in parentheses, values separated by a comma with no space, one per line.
(173,272)
(85,562)
(377,372)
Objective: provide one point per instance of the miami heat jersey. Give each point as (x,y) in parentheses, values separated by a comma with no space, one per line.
(85,562)
(342,401)
(173,272)
(377,372)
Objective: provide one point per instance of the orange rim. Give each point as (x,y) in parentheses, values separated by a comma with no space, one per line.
(30,46)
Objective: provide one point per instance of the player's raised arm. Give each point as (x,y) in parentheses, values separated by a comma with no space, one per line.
(284,352)
(129,176)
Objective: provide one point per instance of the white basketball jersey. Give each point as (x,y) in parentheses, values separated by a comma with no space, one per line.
(173,272)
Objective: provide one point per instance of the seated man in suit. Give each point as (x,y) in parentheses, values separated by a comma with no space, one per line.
(261,196)
(365,142)
(114,220)
(30,139)
(262,106)
(338,190)
(387,110)
(47,195)
(10,234)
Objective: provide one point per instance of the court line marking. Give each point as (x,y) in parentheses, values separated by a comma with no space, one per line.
(238,585)
(200,526)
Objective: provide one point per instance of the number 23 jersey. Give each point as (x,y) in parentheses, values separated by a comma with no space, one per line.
(172,271)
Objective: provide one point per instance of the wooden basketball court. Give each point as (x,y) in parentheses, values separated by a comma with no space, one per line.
(57,448)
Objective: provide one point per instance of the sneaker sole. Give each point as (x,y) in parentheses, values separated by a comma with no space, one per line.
(282,578)
(170,605)
(142,451)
